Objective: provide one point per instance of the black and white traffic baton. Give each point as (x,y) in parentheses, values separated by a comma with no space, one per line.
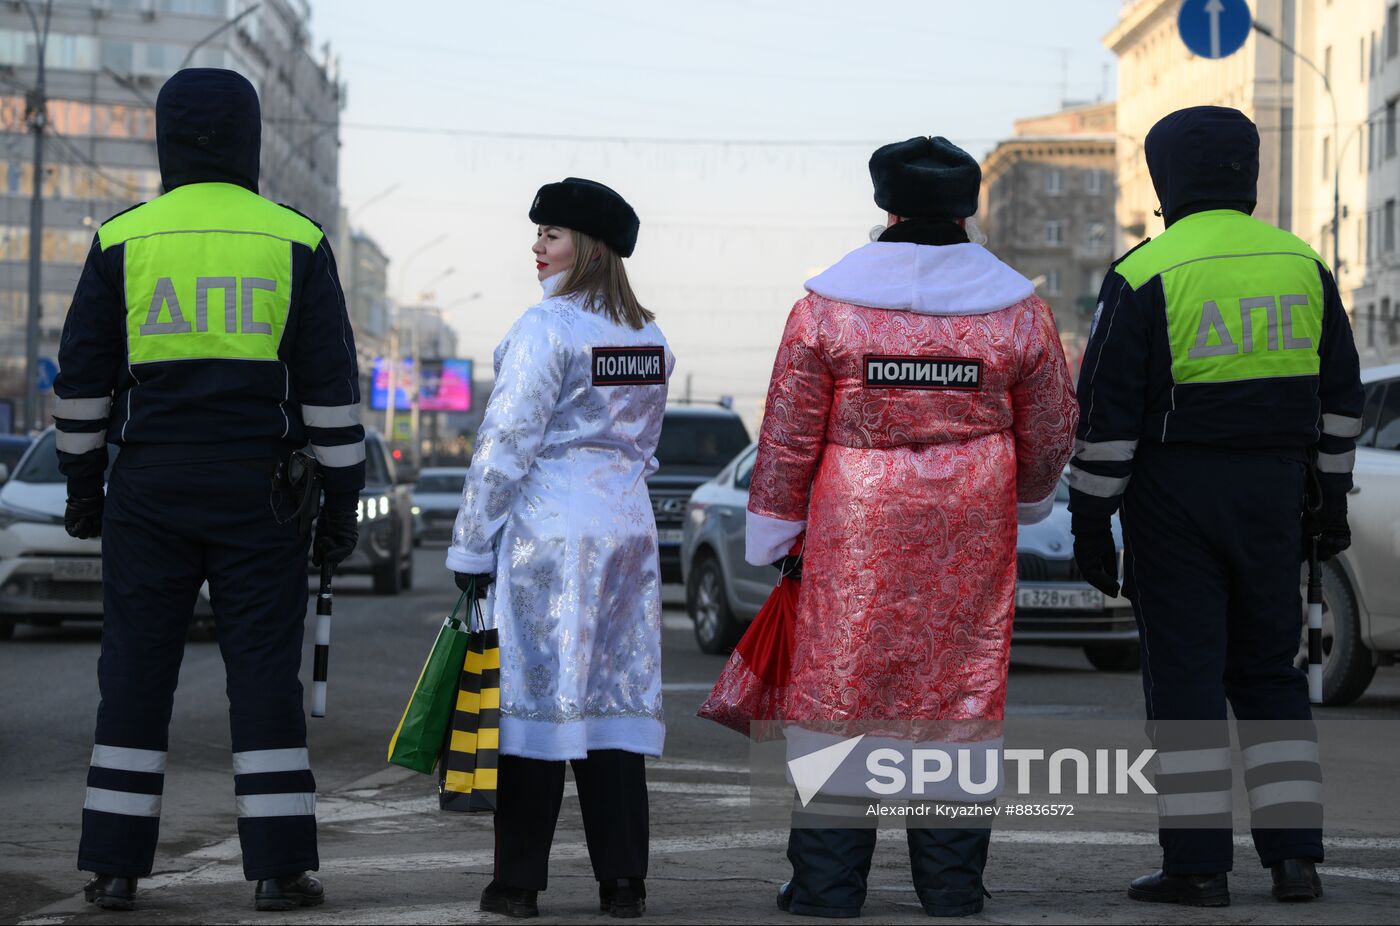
(1314,624)
(323,642)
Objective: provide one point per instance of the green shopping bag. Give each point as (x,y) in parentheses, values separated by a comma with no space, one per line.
(418,741)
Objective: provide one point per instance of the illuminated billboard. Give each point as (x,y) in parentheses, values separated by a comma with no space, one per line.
(446,385)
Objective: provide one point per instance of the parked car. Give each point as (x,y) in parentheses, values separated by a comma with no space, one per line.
(436,497)
(1054,605)
(696,443)
(385,548)
(1361,586)
(47,577)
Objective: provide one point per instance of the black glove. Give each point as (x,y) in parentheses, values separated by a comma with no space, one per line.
(1096,552)
(82,518)
(1328,524)
(475,582)
(337,532)
(790,567)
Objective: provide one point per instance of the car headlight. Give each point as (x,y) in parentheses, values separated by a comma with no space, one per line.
(372,508)
(10,515)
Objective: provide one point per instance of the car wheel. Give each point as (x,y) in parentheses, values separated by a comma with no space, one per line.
(1347,666)
(716,630)
(387,578)
(7,629)
(1113,657)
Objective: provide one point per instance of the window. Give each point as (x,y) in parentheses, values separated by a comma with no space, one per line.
(1388,423)
(1389,319)
(1388,228)
(1093,183)
(1053,181)
(1371,325)
(1390,129)
(1095,234)
(1054,233)
(1375,393)
(1052,283)
(1392,30)
(743,473)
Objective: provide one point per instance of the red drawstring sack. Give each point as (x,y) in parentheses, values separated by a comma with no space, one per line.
(754,683)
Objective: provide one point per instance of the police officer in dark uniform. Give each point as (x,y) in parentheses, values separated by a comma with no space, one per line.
(1220,376)
(208,337)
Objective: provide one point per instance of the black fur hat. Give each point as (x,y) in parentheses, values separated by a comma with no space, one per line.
(925,178)
(589,207)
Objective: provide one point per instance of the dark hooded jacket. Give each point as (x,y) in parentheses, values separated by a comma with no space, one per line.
(1252,388)
(209,324)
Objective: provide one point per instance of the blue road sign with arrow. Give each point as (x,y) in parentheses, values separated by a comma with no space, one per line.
(46,374)
(1214,28)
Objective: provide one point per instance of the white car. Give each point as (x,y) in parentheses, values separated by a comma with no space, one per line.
(47,577)
(1361,587)
(436,497)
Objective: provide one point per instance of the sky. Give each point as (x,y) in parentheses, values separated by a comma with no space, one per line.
(740,132)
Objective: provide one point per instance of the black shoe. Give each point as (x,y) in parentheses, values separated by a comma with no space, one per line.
(625,898)
(1296,879)
(1189,890)
(785,897)
(518,902)
(288,893)
(111,892)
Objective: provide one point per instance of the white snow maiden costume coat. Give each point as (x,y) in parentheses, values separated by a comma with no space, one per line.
(556,506)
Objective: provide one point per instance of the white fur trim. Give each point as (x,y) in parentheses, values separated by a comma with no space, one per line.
(537,739)
(1035,512)
(550,284)
(954,279)
(459,560)
(767,540)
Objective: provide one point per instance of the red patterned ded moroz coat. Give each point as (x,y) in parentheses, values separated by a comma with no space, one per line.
(920,406)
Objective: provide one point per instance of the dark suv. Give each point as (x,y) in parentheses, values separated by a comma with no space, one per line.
(696,443)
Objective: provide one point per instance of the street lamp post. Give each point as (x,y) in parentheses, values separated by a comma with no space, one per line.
(38,124)
(189,55)
(392,362)
(1336,146)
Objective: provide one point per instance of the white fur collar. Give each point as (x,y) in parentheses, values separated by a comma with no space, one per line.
(551,283)
(953,279)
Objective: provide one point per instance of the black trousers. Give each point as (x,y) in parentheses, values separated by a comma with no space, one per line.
(830,868)
(1211,565)
(612,793)
(166,530)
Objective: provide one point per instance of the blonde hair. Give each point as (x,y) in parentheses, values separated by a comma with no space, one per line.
(599,276)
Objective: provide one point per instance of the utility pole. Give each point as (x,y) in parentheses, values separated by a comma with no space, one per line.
(38,122)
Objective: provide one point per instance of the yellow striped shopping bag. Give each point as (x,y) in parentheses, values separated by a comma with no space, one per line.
(467,774)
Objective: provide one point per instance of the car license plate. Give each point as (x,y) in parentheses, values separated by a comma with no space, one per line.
(670,536)
(78,570)
(1059,599)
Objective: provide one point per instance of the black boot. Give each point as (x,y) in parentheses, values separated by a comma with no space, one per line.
(785,897)
(288,893)
(111,892)
(1296,879)
(518,902)
(625,898)
(1188,890)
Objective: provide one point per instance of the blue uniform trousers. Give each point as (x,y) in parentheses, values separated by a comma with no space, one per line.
(1211,564)
(165,531)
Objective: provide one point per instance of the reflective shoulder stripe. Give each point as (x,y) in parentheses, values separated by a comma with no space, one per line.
(1194,804)
(126,803)
(1280,751)
(1341,425)
(293,804)
(340,454)
(1336,462)
(80,442)
(128,760)
(259,761)
(1107,451)
(1186,761)
(1094,484)
(1299,791)
(83,409)
(330,416)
